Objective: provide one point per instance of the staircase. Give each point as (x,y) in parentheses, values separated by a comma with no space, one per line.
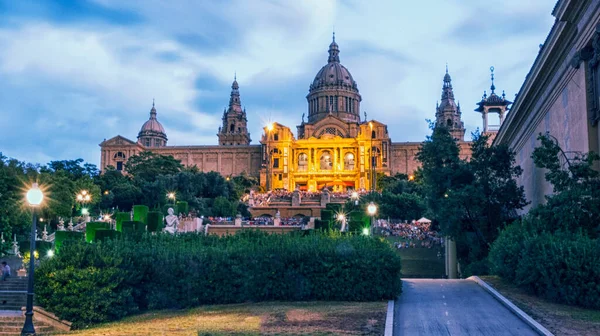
(12,323)
(13,293)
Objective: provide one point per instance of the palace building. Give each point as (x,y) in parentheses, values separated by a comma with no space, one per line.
(334,147)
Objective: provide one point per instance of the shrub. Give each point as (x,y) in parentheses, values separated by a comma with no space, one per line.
(154,221)
(91,227)
(120,218)
(561,266)
(85,286)
(163,271)
(104,234)
(506,251)
(140,213)
(182,208)
(63,236)
(564,268)
(133,228)
(324,225)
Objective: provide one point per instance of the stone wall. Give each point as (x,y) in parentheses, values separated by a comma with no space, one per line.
(555,97)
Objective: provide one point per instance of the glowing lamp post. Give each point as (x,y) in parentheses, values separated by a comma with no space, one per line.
(372,210)
(84,197)
(355,197)
(171,196)
(34,197)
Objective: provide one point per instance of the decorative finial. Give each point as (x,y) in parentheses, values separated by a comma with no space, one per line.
(152,102)
(446,67)
(365,112)
(334,33)
(235,75)
(493,87)
(484,94)
(503,95)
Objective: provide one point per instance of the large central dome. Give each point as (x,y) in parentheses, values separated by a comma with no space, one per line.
(333,91)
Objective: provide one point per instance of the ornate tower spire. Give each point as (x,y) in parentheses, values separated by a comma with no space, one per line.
(448,112)
(153,111)
(234,131)
(334,51)
(493,104)
(152,133)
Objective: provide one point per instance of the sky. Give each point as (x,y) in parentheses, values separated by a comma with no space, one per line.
(73,73)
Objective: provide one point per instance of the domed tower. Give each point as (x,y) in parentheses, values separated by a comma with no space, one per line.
(448,112)
(333,91)
(152,133)
(234,131)
(493,104)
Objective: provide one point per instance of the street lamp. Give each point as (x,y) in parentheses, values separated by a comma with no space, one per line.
(34,197)
(171,196)
(84,197)
(372,210)
(355,197)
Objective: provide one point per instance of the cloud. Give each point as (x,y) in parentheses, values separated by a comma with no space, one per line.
(76,73)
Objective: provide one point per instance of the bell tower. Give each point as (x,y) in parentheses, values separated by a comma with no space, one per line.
(493,104)
(234,131)
(448,112)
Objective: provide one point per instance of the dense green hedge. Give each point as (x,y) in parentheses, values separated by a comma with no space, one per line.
(154,221)
(140,213)
(91,227)
(103,234)
(182,208)
(91,283)
(120,218)
(562,267)
(62,236)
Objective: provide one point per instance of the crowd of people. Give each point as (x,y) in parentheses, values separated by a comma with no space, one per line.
(282,195)
(415,234)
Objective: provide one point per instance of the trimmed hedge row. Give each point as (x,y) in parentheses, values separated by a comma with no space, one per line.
(562,267)
(92,283)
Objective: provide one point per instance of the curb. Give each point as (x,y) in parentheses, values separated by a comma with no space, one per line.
(389,319)
(514,309)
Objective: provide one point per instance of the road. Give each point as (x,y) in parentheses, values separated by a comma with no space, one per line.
(452,307)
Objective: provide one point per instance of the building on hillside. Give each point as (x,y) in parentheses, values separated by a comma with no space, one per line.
(560,95)
(334,147)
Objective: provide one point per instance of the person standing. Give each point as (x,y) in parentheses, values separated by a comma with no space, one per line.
(5,271)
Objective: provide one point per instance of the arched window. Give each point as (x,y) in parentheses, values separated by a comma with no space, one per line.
(232,128)
(119,155)
(373,134)
(325,162)
(349,161)
(302,162)
(449,122)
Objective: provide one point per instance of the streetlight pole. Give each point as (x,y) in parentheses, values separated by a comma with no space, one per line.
(34,198)
(372,210)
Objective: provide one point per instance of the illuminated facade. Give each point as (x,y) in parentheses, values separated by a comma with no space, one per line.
(334,148)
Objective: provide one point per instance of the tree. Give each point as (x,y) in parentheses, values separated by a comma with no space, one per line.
(575,205)
(470,200)
(148,166)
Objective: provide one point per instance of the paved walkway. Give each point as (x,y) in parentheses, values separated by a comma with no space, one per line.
(452,307)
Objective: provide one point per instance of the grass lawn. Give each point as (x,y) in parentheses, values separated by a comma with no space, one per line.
(558,318)
(419,262)
(266,318)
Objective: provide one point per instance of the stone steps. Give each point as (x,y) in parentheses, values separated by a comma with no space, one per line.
(13,294)
(11,324)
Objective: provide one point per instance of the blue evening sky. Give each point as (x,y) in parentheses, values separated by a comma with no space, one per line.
(73,73)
